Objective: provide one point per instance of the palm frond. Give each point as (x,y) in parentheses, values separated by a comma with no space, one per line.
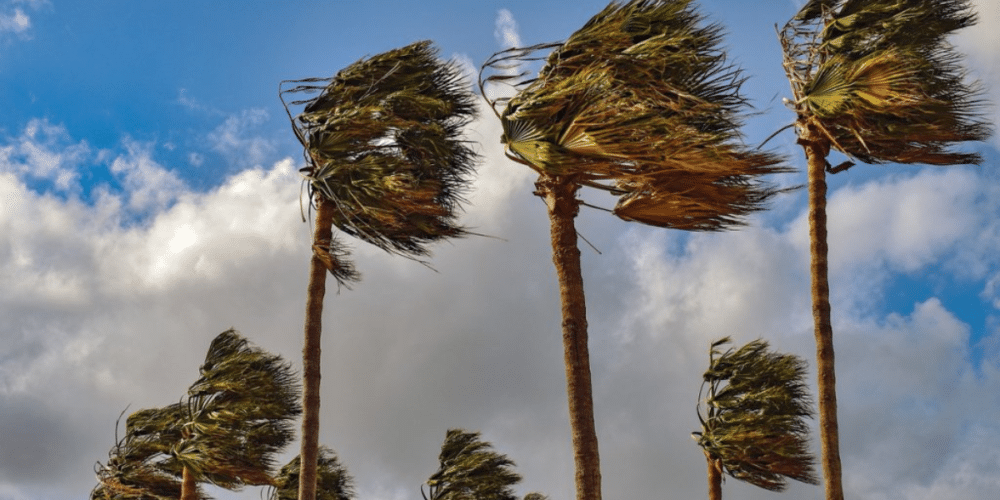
(383,142)
(640,102)
(753,422)
(469,468)
(333,481)
(881,81)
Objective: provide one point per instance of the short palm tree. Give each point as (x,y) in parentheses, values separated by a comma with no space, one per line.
(469,468)
(235,418)
(641,104)
(753,418)
(385,163)
(333,482)
(878,81)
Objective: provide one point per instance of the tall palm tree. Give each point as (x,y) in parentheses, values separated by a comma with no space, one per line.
(227,430)
(753,423)
(385,163)
(333,481)
(469,468)
(878,81)
(639,103)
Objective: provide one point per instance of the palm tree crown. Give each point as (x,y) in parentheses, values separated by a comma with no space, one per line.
(333,482)
(383,144)
(879,80)
(753,425)
(236,417)
(641,103)
(469,468)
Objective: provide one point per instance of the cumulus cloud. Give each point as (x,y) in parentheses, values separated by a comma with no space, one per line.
(233,139)
(108,312)
(44,151)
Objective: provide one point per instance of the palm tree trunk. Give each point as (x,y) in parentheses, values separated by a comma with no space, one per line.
(560,196)
(714,479)
(816,147)
(311,352)
(189,488)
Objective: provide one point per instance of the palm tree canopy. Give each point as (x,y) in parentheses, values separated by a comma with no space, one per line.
(880,81)
(333,481)
(640,102)
(755,411)
(236,417)
(469,468)
(383,142)
(135,469)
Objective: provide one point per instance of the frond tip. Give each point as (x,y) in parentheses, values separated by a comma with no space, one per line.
(383,142)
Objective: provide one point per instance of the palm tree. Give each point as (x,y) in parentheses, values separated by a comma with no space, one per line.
(135,471)
(469,468)
(386,164)
(753,424)
(333,481)
(639,103)
(235,418)
(877,81)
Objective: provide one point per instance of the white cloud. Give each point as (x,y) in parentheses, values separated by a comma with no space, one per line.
(506,32)
(43,151)
(17,23)
(107,314)
(148,184)
(234,141)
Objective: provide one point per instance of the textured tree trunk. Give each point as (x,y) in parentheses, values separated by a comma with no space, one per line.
(817,147)
(560,196)
(311,352)
(189,488)
(714,479)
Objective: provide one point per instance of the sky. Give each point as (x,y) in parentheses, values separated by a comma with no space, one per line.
(150,199)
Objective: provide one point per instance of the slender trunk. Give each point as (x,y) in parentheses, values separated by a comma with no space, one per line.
(560,196)
(816,148)
(189,488)
(311,353)
(714,479)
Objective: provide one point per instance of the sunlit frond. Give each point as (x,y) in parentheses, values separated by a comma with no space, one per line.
(881,81)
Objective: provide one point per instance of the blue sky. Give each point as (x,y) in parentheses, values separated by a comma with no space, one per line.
(149,200)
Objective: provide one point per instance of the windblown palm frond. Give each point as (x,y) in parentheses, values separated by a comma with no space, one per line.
(880,81)
(227,430)
(135,469)
(640,102)
(471,469)
(333,480)
(383,142)
(754,415)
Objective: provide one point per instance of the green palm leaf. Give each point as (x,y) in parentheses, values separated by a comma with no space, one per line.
(633,102)
(469,468)
(880,80)
(753,418)
(383,143)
